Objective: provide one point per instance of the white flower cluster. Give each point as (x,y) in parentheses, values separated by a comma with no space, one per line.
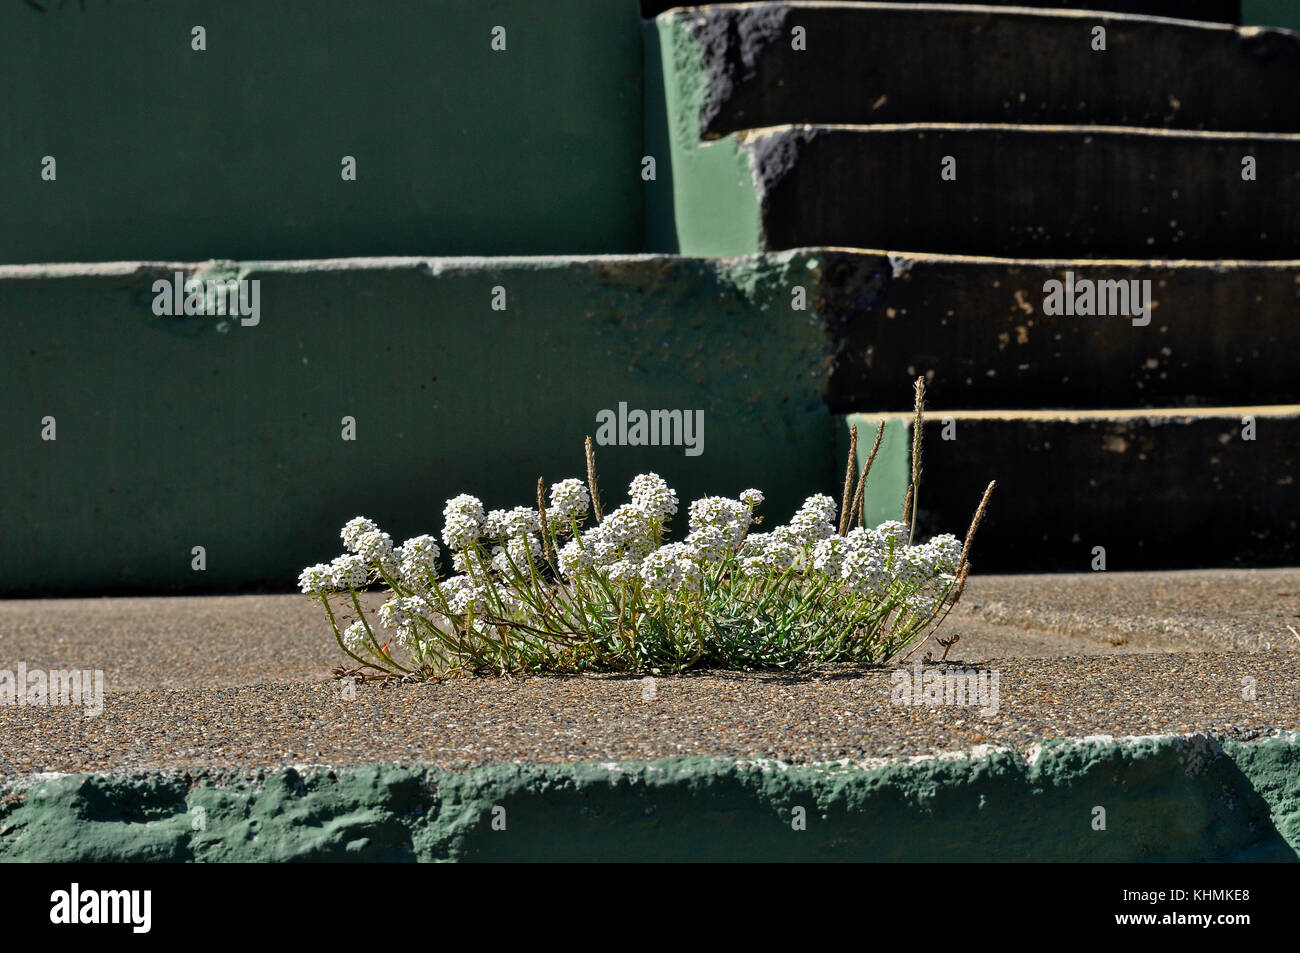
(626,536)
(718,526)
(464,521)
(401,614)
(570,501)
(498,555)
(418,562)
(653,496)
(869,561)
(673,567)
(354,637)
(511,524)
(350,571)
(354,529)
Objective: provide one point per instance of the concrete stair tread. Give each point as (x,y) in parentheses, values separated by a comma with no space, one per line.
(1214,11)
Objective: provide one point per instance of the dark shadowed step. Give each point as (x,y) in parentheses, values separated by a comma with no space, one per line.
(887,63)
(1220,11)
(1208,334)
(1175,489)
(1029,191)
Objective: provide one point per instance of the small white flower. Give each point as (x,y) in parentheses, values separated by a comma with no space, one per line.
(731,517)
(660,570)
(418,561)
(575,561)
(891,532)
(349,571)
(375,547)
(710,543)
(864,572)
(464,521)
(945,551)
(316,580)
(569,501)
(467,597)
(354,529)
(627,528)
(517,552)
(828,555)
(511,524)
(401,615)
(354,636)
(814,522)
(622,570)
(651,494)
(752,498)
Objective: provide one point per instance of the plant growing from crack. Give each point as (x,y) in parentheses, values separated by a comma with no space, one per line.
(562,586)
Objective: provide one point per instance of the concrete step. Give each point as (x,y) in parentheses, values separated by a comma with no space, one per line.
(890,63)
(460,375)
(1028,191)
(1217,333)
(1140,488)
(1219,11)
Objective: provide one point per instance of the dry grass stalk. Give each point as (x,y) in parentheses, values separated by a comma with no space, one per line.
(915,489)
(548,549)
(859,495)
(591,482)
(846,512)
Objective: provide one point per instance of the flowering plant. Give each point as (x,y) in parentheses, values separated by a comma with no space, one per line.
(563,587)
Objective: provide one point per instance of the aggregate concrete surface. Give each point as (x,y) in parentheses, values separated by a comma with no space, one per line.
(243,682)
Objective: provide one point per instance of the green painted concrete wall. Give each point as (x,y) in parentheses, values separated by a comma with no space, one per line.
(1165,799)
(178,432)
(164,153)
(703,199)
(1283,13)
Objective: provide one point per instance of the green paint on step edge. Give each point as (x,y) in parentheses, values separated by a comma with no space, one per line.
(703,200)
(1166,798)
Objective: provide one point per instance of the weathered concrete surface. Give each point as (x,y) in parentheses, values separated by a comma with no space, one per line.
(217,722)
(171,643)
(173,433)
(1220,333)
(1224,11)
(1167,488)
(988,65)
(1165,799)
(167,153)
(1029,191)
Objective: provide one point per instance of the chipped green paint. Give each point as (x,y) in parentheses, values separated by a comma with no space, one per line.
(1167,798)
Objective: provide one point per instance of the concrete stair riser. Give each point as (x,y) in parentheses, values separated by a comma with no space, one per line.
(1169,489)
(1220,333)
(859,64)
(1025,191)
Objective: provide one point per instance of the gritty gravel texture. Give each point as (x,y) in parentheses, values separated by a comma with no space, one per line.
(845,714)
(234,683)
